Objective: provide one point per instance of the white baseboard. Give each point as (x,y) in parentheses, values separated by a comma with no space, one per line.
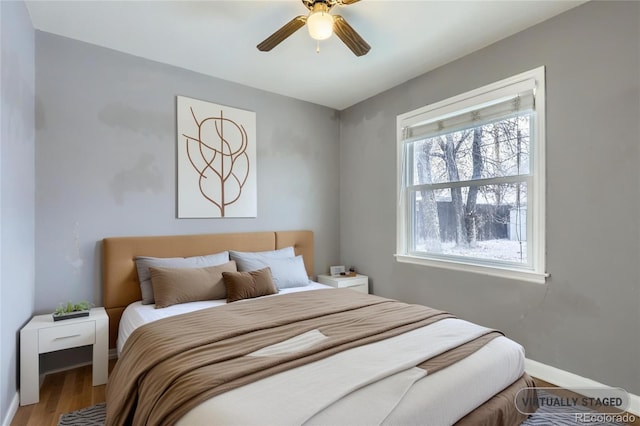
(566,379)
(15,402)
(13,409)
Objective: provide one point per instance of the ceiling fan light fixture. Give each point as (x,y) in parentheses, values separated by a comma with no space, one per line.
(320,25)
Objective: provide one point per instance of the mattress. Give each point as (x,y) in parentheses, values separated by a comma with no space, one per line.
(443,397)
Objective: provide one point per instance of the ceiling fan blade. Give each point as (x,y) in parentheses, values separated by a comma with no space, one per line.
(350,37)
(278,37)
(347,2)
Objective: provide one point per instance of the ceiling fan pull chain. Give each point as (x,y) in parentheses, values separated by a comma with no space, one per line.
(318,47)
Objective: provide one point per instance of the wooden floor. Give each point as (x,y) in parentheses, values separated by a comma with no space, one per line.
(61,393)
(71,390)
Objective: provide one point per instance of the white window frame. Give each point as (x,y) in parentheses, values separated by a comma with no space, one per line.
(535,272)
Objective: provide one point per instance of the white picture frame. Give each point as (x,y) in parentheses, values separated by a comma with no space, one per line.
(216,160)
(336,270)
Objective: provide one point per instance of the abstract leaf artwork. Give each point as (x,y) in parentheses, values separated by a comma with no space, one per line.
(216,160)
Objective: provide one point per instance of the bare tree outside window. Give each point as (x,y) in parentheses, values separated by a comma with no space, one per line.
(466,213)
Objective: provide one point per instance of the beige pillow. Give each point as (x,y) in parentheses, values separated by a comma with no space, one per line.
(181,285)
(246,285)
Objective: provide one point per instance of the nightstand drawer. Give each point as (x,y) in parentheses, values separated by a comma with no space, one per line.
(66,336)
(362,288)
(353,282)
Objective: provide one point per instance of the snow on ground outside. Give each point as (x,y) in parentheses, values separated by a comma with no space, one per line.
(503,249)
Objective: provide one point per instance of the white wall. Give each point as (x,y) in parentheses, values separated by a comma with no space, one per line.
(586,319)
(16,190)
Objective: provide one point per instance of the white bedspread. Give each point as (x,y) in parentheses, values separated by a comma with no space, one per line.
(358,394)
(295,396)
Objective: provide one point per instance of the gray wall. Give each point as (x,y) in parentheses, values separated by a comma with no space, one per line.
(17,145)
(586,318)
(106,161)
(106,164)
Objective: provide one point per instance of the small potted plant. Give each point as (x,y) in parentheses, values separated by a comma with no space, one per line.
(71,310)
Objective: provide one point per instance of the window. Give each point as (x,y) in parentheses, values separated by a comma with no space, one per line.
(471,181)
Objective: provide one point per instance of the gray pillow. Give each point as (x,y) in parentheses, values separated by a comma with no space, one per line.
(143,263)
(242,256)
(287,269)
(288,272)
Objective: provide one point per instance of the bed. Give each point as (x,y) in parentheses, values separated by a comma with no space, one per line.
(305,355)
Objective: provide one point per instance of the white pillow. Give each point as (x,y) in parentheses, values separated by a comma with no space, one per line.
(287,269)
(143,263)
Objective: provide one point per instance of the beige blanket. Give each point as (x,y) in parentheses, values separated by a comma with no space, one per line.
(169,366)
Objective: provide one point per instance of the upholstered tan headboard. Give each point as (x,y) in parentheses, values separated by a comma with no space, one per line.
(120,278)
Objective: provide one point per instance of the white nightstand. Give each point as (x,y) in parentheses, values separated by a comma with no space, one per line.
(358,283)
(42,335)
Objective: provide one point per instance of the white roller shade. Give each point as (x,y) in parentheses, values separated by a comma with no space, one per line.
(522,102)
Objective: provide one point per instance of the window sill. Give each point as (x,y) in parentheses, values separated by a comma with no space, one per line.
(513,274)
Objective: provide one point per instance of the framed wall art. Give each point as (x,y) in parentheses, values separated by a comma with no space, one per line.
(216,160)
(336,270)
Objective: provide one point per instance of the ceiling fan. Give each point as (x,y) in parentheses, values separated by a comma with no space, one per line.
(321,24)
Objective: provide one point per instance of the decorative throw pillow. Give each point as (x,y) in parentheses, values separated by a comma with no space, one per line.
(172,286)
(143,263)
(247,285)
(287,269)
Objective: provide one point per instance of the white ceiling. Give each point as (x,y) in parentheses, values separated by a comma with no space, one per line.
(219,38)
